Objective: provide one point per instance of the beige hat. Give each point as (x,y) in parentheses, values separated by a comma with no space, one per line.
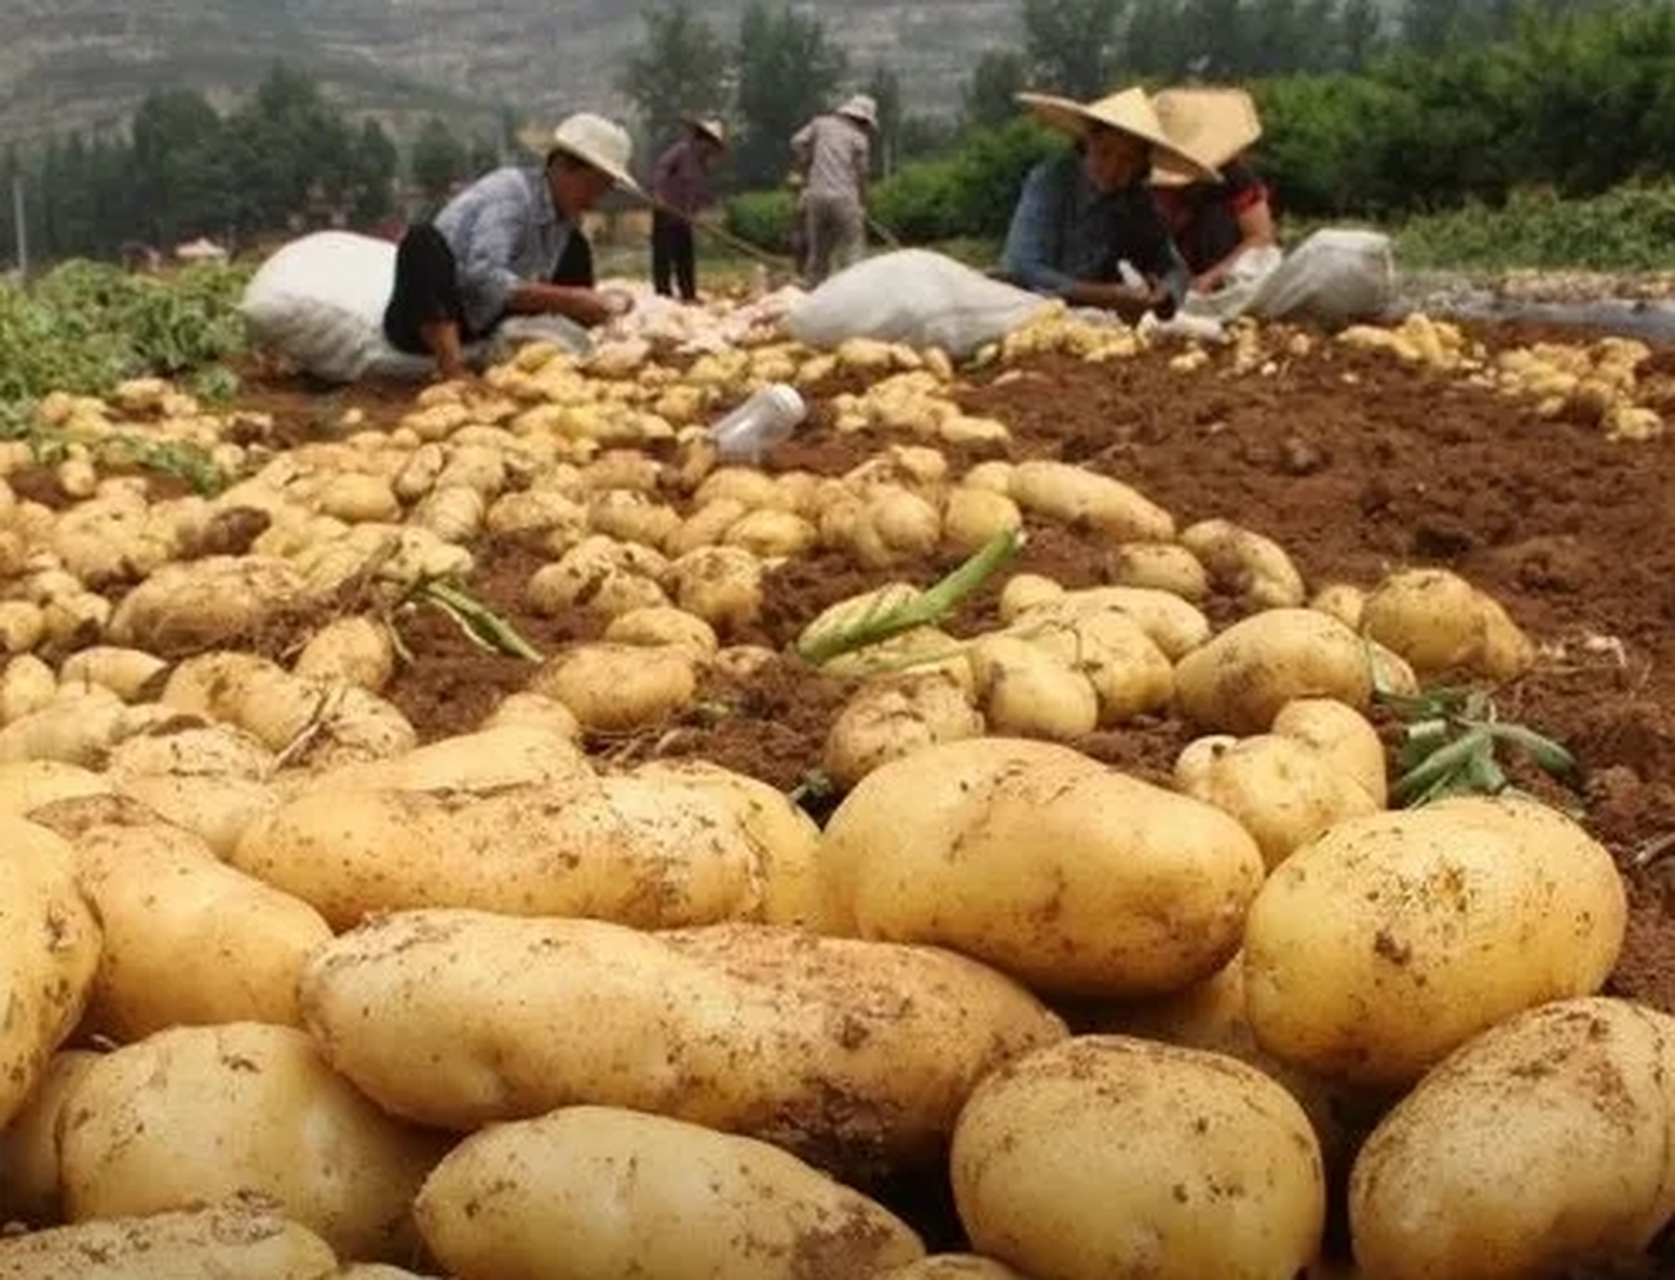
(1214,124)
(711,127)
(861,107)
(1130,111)
(599,143)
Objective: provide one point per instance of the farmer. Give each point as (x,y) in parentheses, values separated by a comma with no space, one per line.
(1084,215)
(1213,223)
(680,186)
(510,243)
(833,154)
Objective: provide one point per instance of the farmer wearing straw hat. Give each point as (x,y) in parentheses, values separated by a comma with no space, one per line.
(509,243)
(1213,223)
(1086,215)
(680,186)
(833,153)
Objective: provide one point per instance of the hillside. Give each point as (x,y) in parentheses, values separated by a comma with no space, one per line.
(85,64)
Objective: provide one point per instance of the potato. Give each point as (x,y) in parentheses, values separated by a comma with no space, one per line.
(125,672)
(1160,566)
(160,894)
(953,1266)
(1076,879)
(192,749)
(215,809)
(769,534)
(48,956)
(721,585)
(1345,735)
(1342,601)
(895,526)
(1238,682)
(187,607)
(664,625)
(1375,951)
(786,839)
(1105,1156)
(29,784)
(1537,1147)
(244,1238)
(1440,623)
(854,1056)
(614,848)
(971,518)
(1173,625)
(29,1145)
(585,1192)
(194,1114)
(27,685)
(619,688)
(357,650)
(1026,690)
(1284,792)
(891,718)
(1024,591)
(1130,675)
(536,711)
(1247,563)
(1062,491)
(505,756)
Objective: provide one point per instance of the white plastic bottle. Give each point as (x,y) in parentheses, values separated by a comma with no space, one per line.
(761,422)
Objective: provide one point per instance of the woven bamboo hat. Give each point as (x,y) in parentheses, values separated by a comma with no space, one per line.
(1213,124)
(1129,111)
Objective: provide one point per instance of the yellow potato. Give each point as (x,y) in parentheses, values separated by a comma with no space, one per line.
(1175,626)
(49,953)
(891,718)
(246,1238)
(215,809)
(745,1028)
(1105,1156)
(29,1170)
(1072,877)
(1375,951)
(618,688)
(30,784)
(664,625)
(358,650)
(1440,623)
(1536,1147)
(1341,601)
(1243,561)
(1075,495)
(588,1192)
(1238,682)
(1160,566)
(198,604)
(953,1266)
(197,1114)
(972,517)
(1130,674)
(505,756)
(1027,691)
(1344,735)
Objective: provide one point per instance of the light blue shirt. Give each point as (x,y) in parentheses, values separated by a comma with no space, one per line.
(504,231)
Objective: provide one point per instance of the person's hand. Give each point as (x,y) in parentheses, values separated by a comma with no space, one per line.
(1209,282)
(589,307)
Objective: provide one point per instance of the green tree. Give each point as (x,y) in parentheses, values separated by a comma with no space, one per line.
(787,73)
(1218,47)
(680,68)
(884,86)
(990,96)
(181,177)
(1360,33)
(438,159)
(1072,44)
(484,156)
(291,151)
(1155,40)
(375,163)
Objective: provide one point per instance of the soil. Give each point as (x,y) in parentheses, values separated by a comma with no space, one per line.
(1355,463)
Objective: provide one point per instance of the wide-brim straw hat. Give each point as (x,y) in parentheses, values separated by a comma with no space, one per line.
(1129,111)
(710,127)
(597,142)
(862,108)
(1214,124)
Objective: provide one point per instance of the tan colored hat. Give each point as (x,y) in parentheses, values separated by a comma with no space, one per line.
(711,127)
(1214,124)
(862,108)
(1129,111)
(597,142)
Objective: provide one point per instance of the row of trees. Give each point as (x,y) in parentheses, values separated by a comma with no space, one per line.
(184,170)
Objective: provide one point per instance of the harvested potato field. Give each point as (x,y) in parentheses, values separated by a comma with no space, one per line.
(1118,802)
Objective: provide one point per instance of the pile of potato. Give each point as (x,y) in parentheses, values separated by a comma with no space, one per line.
(295,995)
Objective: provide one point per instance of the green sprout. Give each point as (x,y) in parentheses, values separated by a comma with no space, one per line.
(481,625)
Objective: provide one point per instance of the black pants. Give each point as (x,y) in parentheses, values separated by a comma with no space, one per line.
(427,288)
(673,252)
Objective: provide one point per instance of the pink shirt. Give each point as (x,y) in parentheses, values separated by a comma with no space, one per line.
(679,179)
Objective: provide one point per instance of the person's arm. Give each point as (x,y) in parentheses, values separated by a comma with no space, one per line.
(802,148)
(585,306)
(863,166)
(484,262)
(1256,231)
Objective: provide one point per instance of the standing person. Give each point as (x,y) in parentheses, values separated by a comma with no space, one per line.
(1085,215)
(1214,223)
(680,186)
(833,153)
(510,243)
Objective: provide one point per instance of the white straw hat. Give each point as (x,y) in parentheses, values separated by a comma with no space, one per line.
(861,107)
(1214,124)
(600,144)
(1129,111)
(711,127)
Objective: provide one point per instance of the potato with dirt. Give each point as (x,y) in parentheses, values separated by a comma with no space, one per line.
(247,1238)
(49,954)
(630,849)
(507,755)
(187,607)
(194,1115)
(953,1266)
(29,1164)
(585,1192)
(1105,1156)
(1036,859)
(619,688)
(1243,562)
(1238,682)
(1442,625)
(1538,1146)
(1378,949)
(1076,496)
(854,1056)
(889,718)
